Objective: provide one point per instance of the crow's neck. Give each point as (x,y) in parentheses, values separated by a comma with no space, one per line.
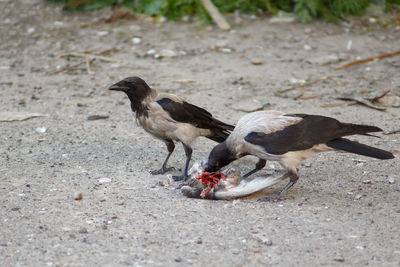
(139,103)
(139,108)
(229,155)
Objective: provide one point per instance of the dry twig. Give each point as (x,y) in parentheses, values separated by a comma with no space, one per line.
(302,96)
(376,99)
(304,84)
(184,81)
(66,68)
(108,51)
(392,132)
(366,60)
(107,59)
(362,102)
(89,50)
(88,61)
(331,105)
(215,15)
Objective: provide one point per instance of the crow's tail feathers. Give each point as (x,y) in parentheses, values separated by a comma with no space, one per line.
(360,149)
(218,135)
(220,131)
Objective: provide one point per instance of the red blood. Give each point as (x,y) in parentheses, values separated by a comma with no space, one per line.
(210,180)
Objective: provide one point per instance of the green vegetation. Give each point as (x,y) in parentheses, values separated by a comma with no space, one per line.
(306,10)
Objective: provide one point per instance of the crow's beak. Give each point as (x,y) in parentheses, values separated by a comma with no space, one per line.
(116,87)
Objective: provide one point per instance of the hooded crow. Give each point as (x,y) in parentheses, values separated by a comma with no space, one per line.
(170,118)
(289,139)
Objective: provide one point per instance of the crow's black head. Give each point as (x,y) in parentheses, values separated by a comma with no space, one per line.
(219,157)
(133,86)
(137,90)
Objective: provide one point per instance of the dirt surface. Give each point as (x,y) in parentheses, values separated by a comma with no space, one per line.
(343,210)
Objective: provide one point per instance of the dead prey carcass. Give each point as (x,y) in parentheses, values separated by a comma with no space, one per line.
(224,185)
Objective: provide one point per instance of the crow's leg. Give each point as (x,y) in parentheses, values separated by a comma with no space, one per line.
(260,164)
(188,152)
(293,175)
(170,146)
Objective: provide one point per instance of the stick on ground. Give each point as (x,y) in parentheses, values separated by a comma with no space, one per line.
(88,61)
(362,102)
(366,60)
(304,84)
(107,59)
(66,68)
(215,15)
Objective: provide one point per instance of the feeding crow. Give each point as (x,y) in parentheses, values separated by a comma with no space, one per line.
(170,118)
(289,139)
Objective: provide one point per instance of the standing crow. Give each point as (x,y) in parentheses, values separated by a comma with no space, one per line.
(289,139)
(170,118)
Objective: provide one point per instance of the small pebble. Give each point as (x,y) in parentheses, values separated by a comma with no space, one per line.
(102,33)
(339,259)
(391,180)
(226,50)
(349,44)
(151,52)
(283,17)
(31,30)
(136,40)
(235,251)
(83,231)
(267,242)
(256,62)
(97,117)
(40,129)
(78,196)
(165,182)
(307,47)
(58,23)
(104,180)
(296,81)
(35,69)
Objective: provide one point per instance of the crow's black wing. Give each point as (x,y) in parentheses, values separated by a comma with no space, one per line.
(188,113)
(306,133)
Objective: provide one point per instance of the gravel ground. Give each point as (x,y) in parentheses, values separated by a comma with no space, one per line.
(343,211)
